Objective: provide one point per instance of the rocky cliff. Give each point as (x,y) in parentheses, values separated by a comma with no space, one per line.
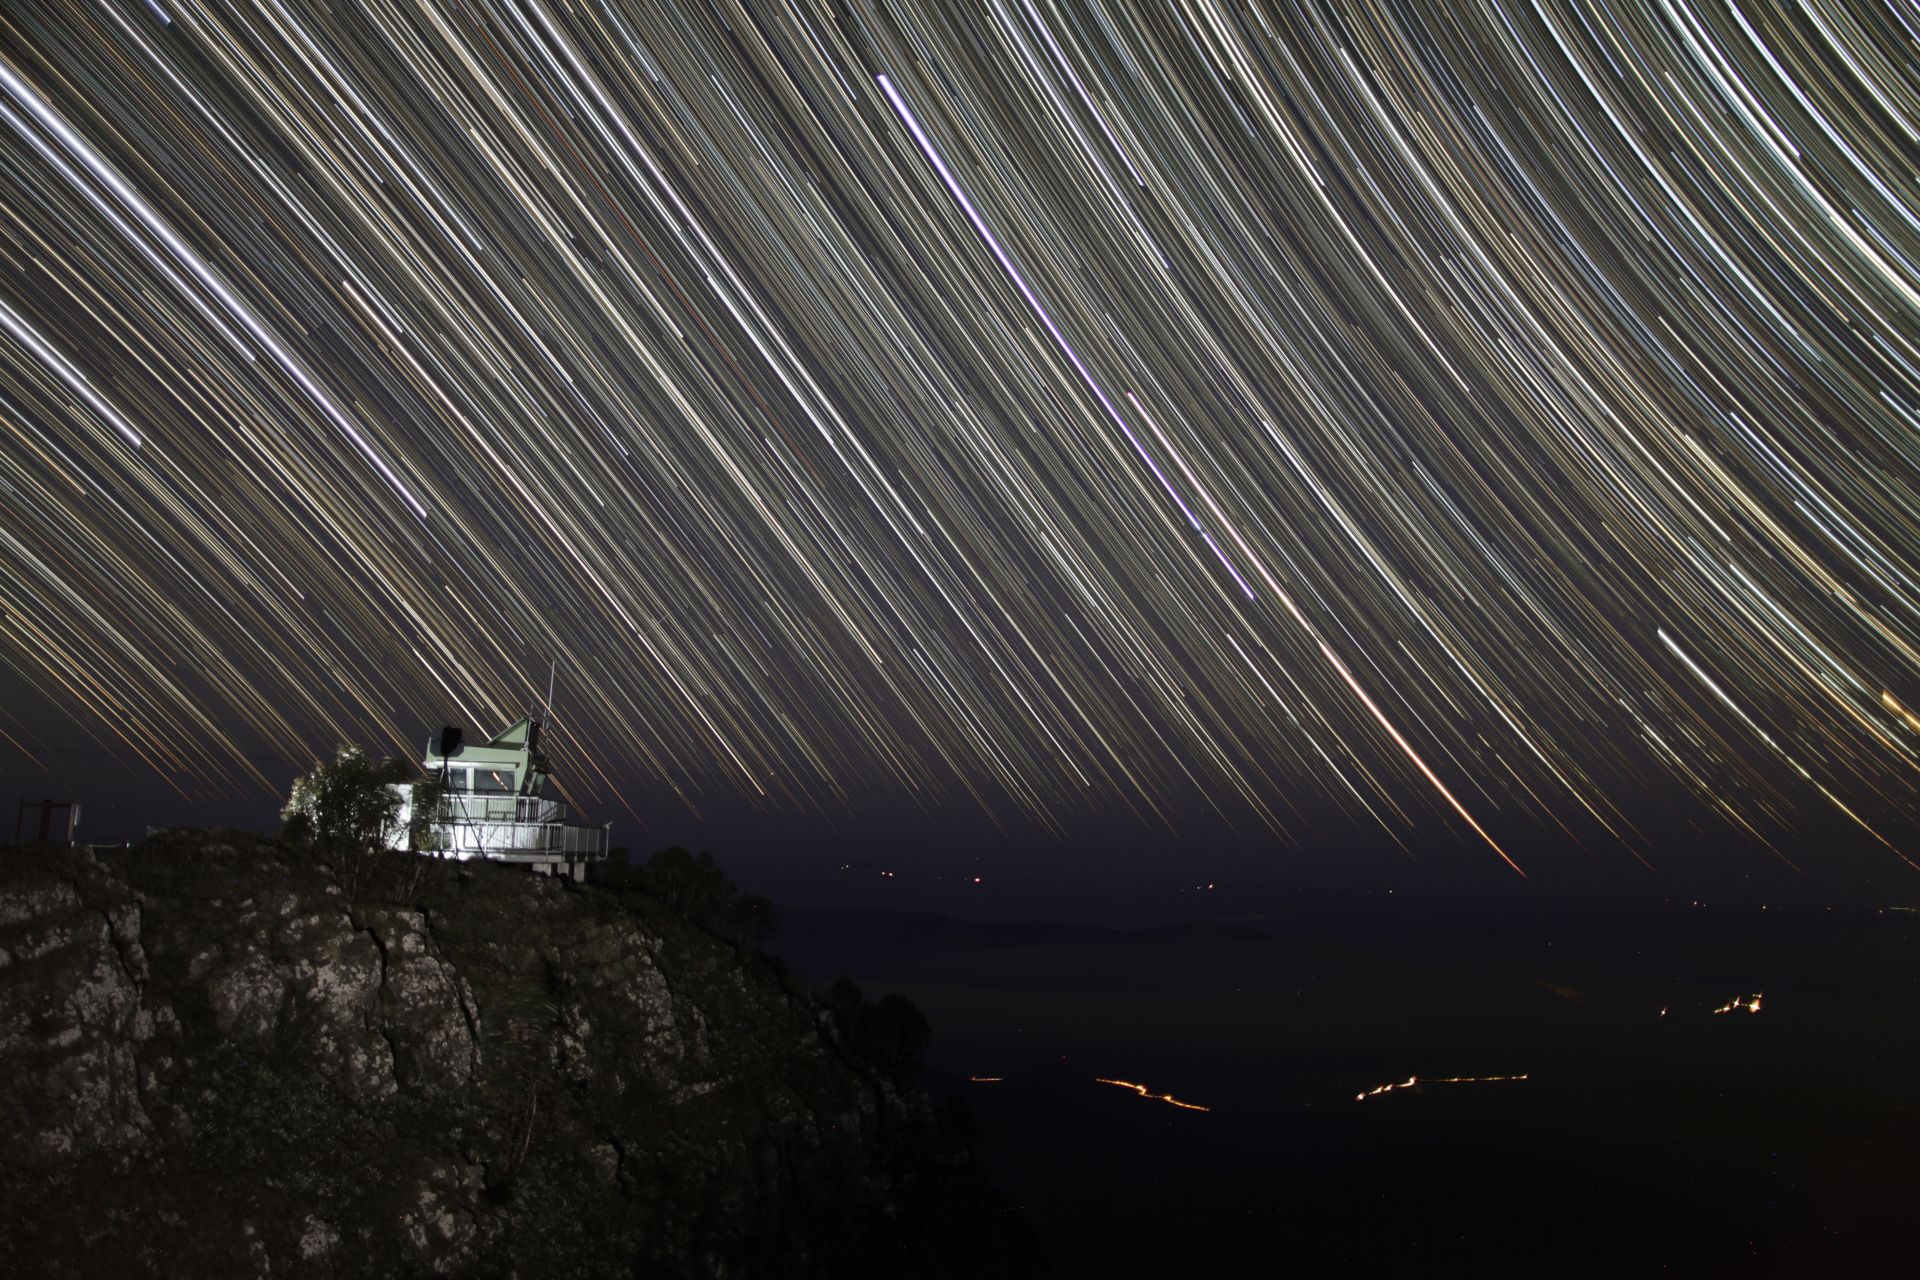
(225,1056)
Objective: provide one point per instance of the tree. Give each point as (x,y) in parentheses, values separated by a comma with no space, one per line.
(427,797)
(897,1033)
(348,801)
(891,1034)
(846,1000)
(693,887)
(748,922)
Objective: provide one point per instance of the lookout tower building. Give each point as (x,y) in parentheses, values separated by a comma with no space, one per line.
(494,808)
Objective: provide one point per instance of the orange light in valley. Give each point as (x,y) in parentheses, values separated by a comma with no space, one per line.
(1411,1081)
(1144,1092)
(1736,1005)
(986,1079)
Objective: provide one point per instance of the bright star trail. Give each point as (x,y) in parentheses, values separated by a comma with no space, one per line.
(1484,425)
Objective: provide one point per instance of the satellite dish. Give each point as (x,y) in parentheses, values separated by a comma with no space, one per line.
(450,740)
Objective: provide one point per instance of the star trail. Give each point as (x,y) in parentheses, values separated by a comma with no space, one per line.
(1483,425)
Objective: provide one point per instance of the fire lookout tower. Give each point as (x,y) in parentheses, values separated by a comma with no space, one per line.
(493,807)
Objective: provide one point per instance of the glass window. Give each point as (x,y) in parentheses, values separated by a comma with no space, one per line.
(459,779)
(493,782)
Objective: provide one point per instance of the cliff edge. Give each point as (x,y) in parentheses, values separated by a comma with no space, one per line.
(230,1056)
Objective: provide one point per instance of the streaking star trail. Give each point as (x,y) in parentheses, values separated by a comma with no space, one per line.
(1492,419)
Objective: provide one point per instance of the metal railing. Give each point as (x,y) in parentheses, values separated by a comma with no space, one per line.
(516,827)
(474,807)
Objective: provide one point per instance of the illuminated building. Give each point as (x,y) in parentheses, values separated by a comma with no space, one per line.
(493,806)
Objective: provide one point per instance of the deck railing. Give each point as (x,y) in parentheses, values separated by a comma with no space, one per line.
(516,827)
(465,807)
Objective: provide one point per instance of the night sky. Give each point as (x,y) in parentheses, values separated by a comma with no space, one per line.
(1483,432)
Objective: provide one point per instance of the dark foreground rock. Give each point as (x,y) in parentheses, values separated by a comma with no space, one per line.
(227,1057)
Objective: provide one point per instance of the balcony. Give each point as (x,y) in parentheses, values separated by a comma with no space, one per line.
(515,829)
(464,807)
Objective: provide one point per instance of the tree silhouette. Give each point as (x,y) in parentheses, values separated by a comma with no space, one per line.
(748,921)
(687,885)
(694,887)
(891,1034)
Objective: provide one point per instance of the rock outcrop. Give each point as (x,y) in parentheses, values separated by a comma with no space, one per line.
(228,1057)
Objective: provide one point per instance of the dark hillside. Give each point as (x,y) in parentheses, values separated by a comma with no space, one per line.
(223,1060)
